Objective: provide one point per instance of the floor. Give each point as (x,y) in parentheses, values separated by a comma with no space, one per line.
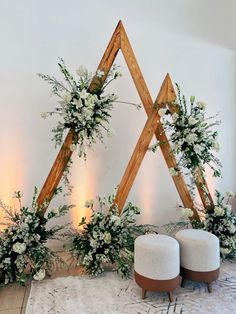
(13,298)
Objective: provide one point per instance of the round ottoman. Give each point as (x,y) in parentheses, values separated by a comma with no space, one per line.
(199,256)
(156,263)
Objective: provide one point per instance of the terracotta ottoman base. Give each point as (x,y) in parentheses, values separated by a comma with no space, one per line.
(148,284)
(208,277)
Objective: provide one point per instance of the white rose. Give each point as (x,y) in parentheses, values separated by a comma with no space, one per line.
(107,237)
(187,212)
(192,120)
(198,149)
(83,94)
(66,97)
(162,112)
(78,103)
(219,211)
(191,138)
(81,71)
(201,105)
(19,247)
(39,275)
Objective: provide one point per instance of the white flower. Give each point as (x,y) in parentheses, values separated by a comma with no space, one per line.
(7,260)
(93,243)
(187,212)
(219,211)
(192,120)
(19,247)
(175,116)
(88,203)
(173,172)
(56,210)
(78,103)
(44,115)
(232,228)
(198,149)
(191,138)
(99,73)
(224,251)
(39,275)
(83,94)
(73,147)
(107,237)
(81,71)
(230,194)
(66,97)
(216,146)
(162,112)
(201,105)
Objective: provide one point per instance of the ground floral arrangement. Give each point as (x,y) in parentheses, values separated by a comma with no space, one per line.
(108,238)
(220,221)
(23,253)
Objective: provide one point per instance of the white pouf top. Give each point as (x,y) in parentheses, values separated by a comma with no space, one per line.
(199,250)
(156,256)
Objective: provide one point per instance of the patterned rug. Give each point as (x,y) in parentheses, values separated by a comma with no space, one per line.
(110,294)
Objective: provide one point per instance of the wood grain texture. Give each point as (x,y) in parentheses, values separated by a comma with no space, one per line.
(148,105)
(140,150)
(64,155)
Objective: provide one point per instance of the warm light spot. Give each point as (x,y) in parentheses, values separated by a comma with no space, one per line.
(84,182)
(12,175)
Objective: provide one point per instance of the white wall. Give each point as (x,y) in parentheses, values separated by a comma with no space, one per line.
(189,39)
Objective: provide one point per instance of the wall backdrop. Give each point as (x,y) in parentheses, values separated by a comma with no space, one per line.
(192,40)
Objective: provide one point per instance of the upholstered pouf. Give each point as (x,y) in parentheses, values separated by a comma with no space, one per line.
(156,263)
(199,256)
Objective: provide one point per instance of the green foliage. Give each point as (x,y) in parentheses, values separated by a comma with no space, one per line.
(23,253)
(107,238)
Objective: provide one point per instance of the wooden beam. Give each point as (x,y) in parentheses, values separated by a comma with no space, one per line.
(65,153)
(148,105)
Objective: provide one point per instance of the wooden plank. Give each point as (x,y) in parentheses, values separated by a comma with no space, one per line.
(65,153)
(139,151)
(151,127)
(148,103)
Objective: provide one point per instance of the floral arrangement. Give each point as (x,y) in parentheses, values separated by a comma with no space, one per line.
(87,113)
(23,254)
(220,221)
(192,138)
(107,238)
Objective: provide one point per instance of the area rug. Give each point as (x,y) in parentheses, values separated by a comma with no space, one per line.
(110,294)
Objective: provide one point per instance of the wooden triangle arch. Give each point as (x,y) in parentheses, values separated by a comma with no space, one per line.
(119,41)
